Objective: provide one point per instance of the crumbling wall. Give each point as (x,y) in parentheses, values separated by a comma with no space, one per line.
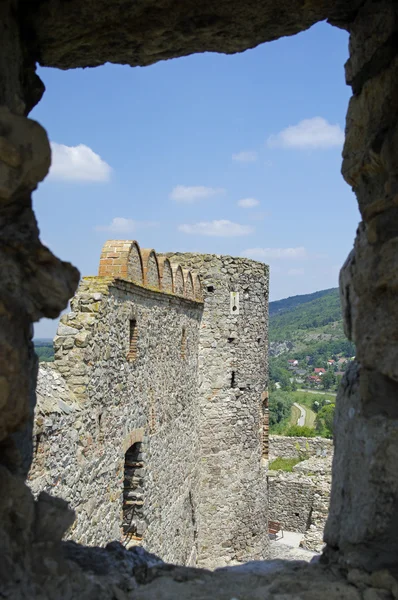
(290,500)
(115,401)
(233,377)
(299,447)
(300,500)
(362,531)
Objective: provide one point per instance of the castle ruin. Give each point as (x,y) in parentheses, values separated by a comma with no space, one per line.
(360,558)
(149,423)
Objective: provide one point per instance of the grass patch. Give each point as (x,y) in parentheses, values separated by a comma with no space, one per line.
(310,417)
(307,398)
(294,415)
(284,464)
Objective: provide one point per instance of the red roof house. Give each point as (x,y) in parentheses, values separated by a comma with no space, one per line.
(320,370)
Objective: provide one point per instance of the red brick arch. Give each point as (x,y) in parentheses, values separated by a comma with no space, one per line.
(151,268)
(135,266)
(197,284)
(166,274)
(188,285)
(178,276)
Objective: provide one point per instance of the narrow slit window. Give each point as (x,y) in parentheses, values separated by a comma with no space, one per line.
(183,343)
(233,382)
(132,353)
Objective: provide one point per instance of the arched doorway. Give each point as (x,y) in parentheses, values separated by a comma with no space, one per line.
(133,524)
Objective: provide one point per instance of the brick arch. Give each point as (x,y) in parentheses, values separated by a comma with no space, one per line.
(151,268)
(114,258)
(136,435)
(189,287)
(166,274)
(178,277)
(121,258)
(135,270)
(197,284)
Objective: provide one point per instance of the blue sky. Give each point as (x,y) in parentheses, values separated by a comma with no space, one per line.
(236,155)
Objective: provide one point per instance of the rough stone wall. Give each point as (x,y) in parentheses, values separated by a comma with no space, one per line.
(363,524)
(362,528)
(151,269)
(290,500)
(233,376)
(135,267)
(300,500)
(297,447)
(114,402)
(166,274)
(178,281)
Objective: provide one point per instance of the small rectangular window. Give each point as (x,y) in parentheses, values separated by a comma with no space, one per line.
(183,343)
(132,353)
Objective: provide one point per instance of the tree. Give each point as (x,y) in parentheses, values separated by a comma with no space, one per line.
(280,406)
(324,420)
(328,379)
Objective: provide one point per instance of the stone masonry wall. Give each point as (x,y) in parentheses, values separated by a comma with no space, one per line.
(362,528)
(290,500)
(300,500)
(114,402)
(294,447)
(232,379)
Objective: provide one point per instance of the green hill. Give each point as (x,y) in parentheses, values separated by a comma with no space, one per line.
(287,304)
(308,324)
(44,349)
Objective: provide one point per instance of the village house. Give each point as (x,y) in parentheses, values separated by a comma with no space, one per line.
(320,371)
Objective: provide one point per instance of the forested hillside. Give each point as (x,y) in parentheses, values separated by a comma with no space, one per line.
(303,313)
(310,324)
(285,304)
(44,349)
(308,353)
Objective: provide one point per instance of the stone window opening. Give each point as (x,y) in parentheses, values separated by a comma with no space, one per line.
(133,524)
(265,428)
(132,352)
(184,343)
(230,340)
(37,442)
(233,380)
(210,288)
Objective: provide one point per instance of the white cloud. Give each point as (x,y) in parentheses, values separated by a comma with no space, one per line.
(122,225)
(272,253)
(295,272)
(309,133)
(190,194)
(77,163)
(222,228)
(248,202)
(245,156)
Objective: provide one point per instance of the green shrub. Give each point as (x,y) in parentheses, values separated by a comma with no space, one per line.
(324,421)
(280,406)
(284,464)
(298,431)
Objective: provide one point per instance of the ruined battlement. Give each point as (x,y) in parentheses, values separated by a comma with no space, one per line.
(152,414)
(124,259)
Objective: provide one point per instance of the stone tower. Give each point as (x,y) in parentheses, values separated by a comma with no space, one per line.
(233,370)
(150,420)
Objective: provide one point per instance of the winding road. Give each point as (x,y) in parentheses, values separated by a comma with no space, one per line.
(301,419)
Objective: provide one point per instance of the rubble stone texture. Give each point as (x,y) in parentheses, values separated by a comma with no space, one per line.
(299,447)
(115,402)
(362,529)
(232,378)
(300,500)
(190,394)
